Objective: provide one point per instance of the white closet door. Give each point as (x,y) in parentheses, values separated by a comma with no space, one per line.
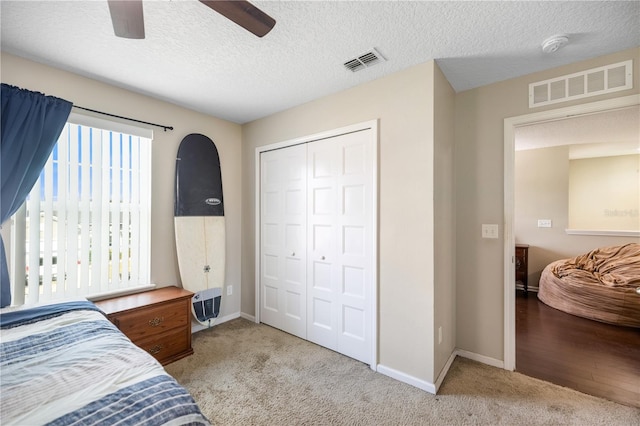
(317,242)
(340,232)
(322,230)
(283,239)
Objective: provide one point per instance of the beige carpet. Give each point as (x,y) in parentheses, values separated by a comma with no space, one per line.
(248,374)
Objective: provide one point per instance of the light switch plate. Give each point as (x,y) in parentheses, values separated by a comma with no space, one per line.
(489,231)
(544,223)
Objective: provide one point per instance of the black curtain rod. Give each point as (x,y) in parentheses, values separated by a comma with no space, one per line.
(125,118)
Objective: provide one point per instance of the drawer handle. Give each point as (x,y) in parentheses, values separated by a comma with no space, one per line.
(156,321)
(154,350)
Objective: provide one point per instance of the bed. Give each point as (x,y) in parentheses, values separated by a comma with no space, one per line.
(67,364)
(602,285)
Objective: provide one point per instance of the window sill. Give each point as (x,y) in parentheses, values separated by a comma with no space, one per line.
(608,233)
(121,292)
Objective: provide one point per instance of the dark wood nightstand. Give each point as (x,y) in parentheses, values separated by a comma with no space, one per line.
(522,265)
(158,321)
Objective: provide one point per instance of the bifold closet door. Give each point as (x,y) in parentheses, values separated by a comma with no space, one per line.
(317,231)
(283,299)
(340,242)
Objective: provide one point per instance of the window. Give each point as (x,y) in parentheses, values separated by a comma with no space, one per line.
(84,228)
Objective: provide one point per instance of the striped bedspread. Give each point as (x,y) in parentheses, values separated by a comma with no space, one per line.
(73,367)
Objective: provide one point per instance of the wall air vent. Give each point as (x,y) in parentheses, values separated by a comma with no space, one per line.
(596,81)
(364,61)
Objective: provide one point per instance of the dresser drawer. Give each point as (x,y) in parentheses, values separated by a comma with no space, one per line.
(153,320)
(165,347)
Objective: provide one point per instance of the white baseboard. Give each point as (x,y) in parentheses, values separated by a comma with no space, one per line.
(444,371)
(520,286)
(480,358)
(434,387)
(195,326)
(251,318)
(405,378)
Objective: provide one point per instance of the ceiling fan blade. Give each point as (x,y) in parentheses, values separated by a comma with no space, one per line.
(127,18)
(244,14)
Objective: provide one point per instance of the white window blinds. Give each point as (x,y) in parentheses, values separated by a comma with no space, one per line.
(84,228)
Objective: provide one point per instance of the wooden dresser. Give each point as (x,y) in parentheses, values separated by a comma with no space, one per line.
(522,265)
(158,321)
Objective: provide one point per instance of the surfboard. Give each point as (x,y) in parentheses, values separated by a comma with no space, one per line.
(199,225)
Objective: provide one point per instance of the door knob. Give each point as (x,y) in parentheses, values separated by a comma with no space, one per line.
(322,258)
(293,254)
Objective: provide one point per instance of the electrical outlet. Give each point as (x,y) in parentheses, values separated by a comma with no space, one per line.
(489,231)
(229,290)
(439,334)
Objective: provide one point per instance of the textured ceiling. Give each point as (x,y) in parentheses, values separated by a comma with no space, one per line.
(193,57)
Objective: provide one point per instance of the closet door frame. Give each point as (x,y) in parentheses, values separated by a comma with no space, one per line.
(318,137)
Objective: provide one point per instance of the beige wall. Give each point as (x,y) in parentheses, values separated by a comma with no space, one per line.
(227,136)
(479,160)
(403,104)
(541,182)
(444,223)
(615,183)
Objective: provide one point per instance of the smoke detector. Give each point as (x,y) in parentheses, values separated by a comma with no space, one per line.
(552,44)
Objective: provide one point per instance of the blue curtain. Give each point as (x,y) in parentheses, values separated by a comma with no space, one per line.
(31,125)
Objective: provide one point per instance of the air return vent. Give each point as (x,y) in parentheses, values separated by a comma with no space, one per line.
(365,60)
(596,81)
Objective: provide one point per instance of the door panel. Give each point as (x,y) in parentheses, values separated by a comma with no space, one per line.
(322,322)
(322,239)
(323,167)
(321,276)
(353,281)
(323,201)
(353,239)
(270,299)
(355,233)
(353,200)
(353,322)
(283,244)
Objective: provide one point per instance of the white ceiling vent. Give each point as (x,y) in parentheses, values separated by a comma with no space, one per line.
(365,60)
(596,81)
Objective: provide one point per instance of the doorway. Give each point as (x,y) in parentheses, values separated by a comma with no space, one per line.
(539,310)
(510,125)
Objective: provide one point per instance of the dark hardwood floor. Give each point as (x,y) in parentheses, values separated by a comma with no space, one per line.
(589,356)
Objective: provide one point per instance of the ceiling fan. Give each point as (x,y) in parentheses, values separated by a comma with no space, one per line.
(128,20)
